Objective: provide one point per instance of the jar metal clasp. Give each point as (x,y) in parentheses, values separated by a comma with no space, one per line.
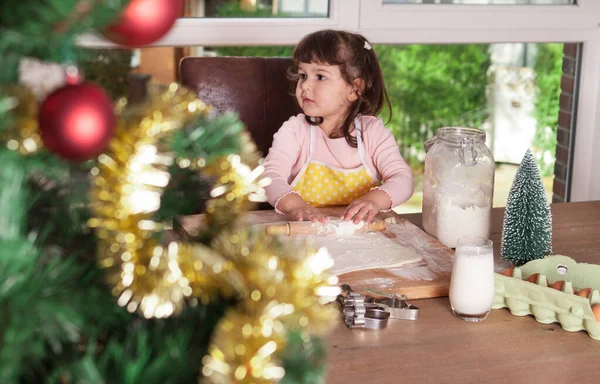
(468,153)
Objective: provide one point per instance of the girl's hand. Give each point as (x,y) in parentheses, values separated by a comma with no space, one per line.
(366,207)
(307,213)
(297,209)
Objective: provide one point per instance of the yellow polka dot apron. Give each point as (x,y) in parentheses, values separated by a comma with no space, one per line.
(322,185)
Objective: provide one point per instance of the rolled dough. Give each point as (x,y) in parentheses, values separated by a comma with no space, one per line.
(362,251)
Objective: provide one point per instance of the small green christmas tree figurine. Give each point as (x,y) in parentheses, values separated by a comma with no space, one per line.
(527,228)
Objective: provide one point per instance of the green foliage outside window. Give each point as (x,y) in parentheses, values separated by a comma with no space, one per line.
(275,51)
(432,86)
(548,69)
(232,9)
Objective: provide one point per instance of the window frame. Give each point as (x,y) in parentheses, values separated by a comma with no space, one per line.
(440,24)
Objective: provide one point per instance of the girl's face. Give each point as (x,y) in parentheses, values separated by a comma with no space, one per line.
(322,92)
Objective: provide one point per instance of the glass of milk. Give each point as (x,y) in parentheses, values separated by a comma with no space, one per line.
(472,280)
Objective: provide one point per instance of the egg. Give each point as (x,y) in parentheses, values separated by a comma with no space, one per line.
(585,292)
(508,272)
(558,285)
(596,311)
(533,278)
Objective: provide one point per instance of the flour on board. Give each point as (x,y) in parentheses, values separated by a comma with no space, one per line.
(363,251)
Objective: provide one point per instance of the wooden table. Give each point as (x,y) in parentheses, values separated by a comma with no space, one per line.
(439,348)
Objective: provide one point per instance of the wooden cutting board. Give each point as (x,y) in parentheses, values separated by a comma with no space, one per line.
(430,278)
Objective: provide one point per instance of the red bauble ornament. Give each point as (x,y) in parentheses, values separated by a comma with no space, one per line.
(144,21)
(77,121)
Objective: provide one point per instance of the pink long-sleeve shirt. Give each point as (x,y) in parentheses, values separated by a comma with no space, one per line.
(290,149)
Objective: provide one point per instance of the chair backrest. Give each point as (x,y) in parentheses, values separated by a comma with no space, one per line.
(256,88)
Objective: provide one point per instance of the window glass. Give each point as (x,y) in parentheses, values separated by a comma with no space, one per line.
(511,91)
(257,8)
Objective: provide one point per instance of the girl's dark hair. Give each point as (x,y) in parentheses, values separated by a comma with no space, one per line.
(348,51)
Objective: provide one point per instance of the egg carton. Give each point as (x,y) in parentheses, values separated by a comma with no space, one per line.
(549,305)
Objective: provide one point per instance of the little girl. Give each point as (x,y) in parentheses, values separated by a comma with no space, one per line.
(337,152)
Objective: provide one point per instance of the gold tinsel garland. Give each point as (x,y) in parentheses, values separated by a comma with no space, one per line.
(245,349)
(280,287)
(24,135)
(287,291)
(285,273)
(127,187)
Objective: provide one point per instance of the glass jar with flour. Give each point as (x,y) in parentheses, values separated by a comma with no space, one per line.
(458,185)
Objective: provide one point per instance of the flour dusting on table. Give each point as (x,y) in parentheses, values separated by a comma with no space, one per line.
(362,251)
(337,227)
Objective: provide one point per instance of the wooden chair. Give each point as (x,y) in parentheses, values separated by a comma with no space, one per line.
(256,88)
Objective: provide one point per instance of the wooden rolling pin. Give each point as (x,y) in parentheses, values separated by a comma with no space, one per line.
(332,227)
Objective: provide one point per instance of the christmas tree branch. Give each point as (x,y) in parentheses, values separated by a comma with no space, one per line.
(13,197)
(147,351)
(23,280)
(7,104)
(206,138)
(9,62)
(83,10)
(46,28)
(44,296)
(304,360)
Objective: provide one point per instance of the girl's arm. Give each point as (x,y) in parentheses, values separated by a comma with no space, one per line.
(283,155)
(396,175)
(294,206)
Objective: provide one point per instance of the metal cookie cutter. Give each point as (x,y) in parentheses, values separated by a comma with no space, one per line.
(358,313)
(397,305)
(376,318)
